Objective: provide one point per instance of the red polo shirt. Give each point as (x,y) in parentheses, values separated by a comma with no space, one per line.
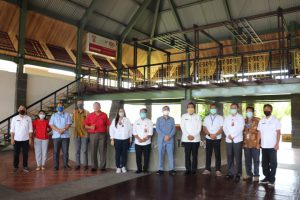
(100,121)
(40,129)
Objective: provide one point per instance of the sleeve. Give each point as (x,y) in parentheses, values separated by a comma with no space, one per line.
(221,121)
(87,120)
(112,129)
(30,130)
(205,121)
(129,127)
(158,130)
(225,128)
(173,130)
(150,128)
(107,121)
(51,122)
(69,119)
(73,116)
(278,125)
(12,125)
(134,131)
(198,126)
(182,126)
(34,125)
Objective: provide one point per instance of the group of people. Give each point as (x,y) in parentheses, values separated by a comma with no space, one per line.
(90,131)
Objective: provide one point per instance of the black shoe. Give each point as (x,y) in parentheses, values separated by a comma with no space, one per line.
(77,168)
(237,179)
(138,171)
(93,169)
(86,168)
(55,168)
(160,172)
(187,173)
(16,169)
(172,173)
(103,169)
(264,181)
(194,172)
(145,171)
(228,177)
(67,167)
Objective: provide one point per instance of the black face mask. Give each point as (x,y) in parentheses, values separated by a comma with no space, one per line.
(267,113)
(80,106)
(22,112)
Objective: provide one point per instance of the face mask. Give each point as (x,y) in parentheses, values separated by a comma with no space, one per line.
(60,108)
(249,114)
(41,116)
(121,114)
(190,110)
(166,112)
(80,106)
(22,112)
(143,115)
(213,111)
(233,111)
(267,113)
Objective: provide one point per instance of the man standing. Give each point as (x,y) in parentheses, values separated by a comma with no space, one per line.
(233,128)
(21,137)
(60,123)
(80,135)
(269,133)
(191,127)
(213,129)
(97,123)
(143,131)
(165,128)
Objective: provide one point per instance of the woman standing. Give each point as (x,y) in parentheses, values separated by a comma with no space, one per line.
(120,134)
(41,140)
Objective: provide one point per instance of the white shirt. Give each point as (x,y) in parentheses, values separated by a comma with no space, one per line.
(143,128)
(21,127)
(190,125)
(213,123)
(234,126)
(268,128)
(123,130)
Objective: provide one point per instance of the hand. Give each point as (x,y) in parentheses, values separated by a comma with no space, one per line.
(213,136)
(276,147)
(190,137)
(167,138)
(140,140)
(30,141)
(258,146)
(12,141)
(92,127)
(230,137)
(112,142)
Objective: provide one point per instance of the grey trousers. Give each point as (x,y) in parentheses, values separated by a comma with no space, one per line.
(40,149)
(98,142)
(81,145)
(61,143)
(234,159)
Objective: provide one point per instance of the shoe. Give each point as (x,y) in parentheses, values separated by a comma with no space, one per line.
(229,177)
(264,181)
(103,169)
(93,169)
(26,169)
(77,168)
(172,173)
(124,170)
(55,168)
(271,184)
(194,172)
(160,172)
(247,178)
(38,169)
(187,173)
(218,173)
(16,169)
(118,171)
(206,172)
(43,168)
(67,167)
(138,171)
(237,179)
(255,179)
(86,168)
(145,171)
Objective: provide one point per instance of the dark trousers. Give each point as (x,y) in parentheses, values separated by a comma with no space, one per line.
(234,158)
(191,148)
(61,143)
(145,151)
(121,147)
(24,145)
(213,145)
(269,163)
(252,154)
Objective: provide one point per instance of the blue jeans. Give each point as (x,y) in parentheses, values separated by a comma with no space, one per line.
(252,154)
(169,147)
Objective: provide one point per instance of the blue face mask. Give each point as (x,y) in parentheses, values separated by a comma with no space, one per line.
(249,114)
(213,111)
(143,115)
(233,111)
(60,108)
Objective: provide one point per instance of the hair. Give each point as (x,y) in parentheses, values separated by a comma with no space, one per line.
(251,108)
(166,108)
(268,105)
(191,103)
(42,111)
(118,117)
(144,109)
(60,103)
(235,104)
(97,104)
(213,104)
(22,106)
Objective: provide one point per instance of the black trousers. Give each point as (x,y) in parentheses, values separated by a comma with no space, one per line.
(191,148)
(121,147)
(61,143)
(24,145)
(145,151)
(269,163)
(213,145)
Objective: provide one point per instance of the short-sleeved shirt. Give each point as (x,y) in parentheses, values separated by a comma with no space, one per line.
(143,128)
(60,120)
(40,128)
(78,119)
(268,128)
(100,121)
(21,127)
(251,133)
(213,123)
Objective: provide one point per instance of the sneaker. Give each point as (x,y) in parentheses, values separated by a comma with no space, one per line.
(255,179)
(218,173)
(264,181)
(43,168)
(228,177)
(271,184)
(172,172)
(124,170)
(118,171)
(206,172)
(159,172)
(247,178)
(38,169)
(26,169)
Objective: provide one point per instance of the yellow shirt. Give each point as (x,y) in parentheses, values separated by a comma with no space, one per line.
(78,119)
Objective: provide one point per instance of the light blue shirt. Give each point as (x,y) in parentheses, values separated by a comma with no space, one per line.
(60,120)
(165,126)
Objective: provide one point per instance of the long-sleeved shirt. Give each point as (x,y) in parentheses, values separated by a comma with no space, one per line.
(143,128)
(234,126)
(21,127)
(190,125)
(60,120)
(122,131)
(165,126)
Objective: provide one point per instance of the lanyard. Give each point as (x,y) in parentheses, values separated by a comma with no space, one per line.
(212,119)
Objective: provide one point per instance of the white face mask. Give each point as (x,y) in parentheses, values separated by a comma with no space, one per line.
(166,112)
(41,116)
(121,114)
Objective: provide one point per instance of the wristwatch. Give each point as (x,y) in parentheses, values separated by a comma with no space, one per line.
(209,134)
